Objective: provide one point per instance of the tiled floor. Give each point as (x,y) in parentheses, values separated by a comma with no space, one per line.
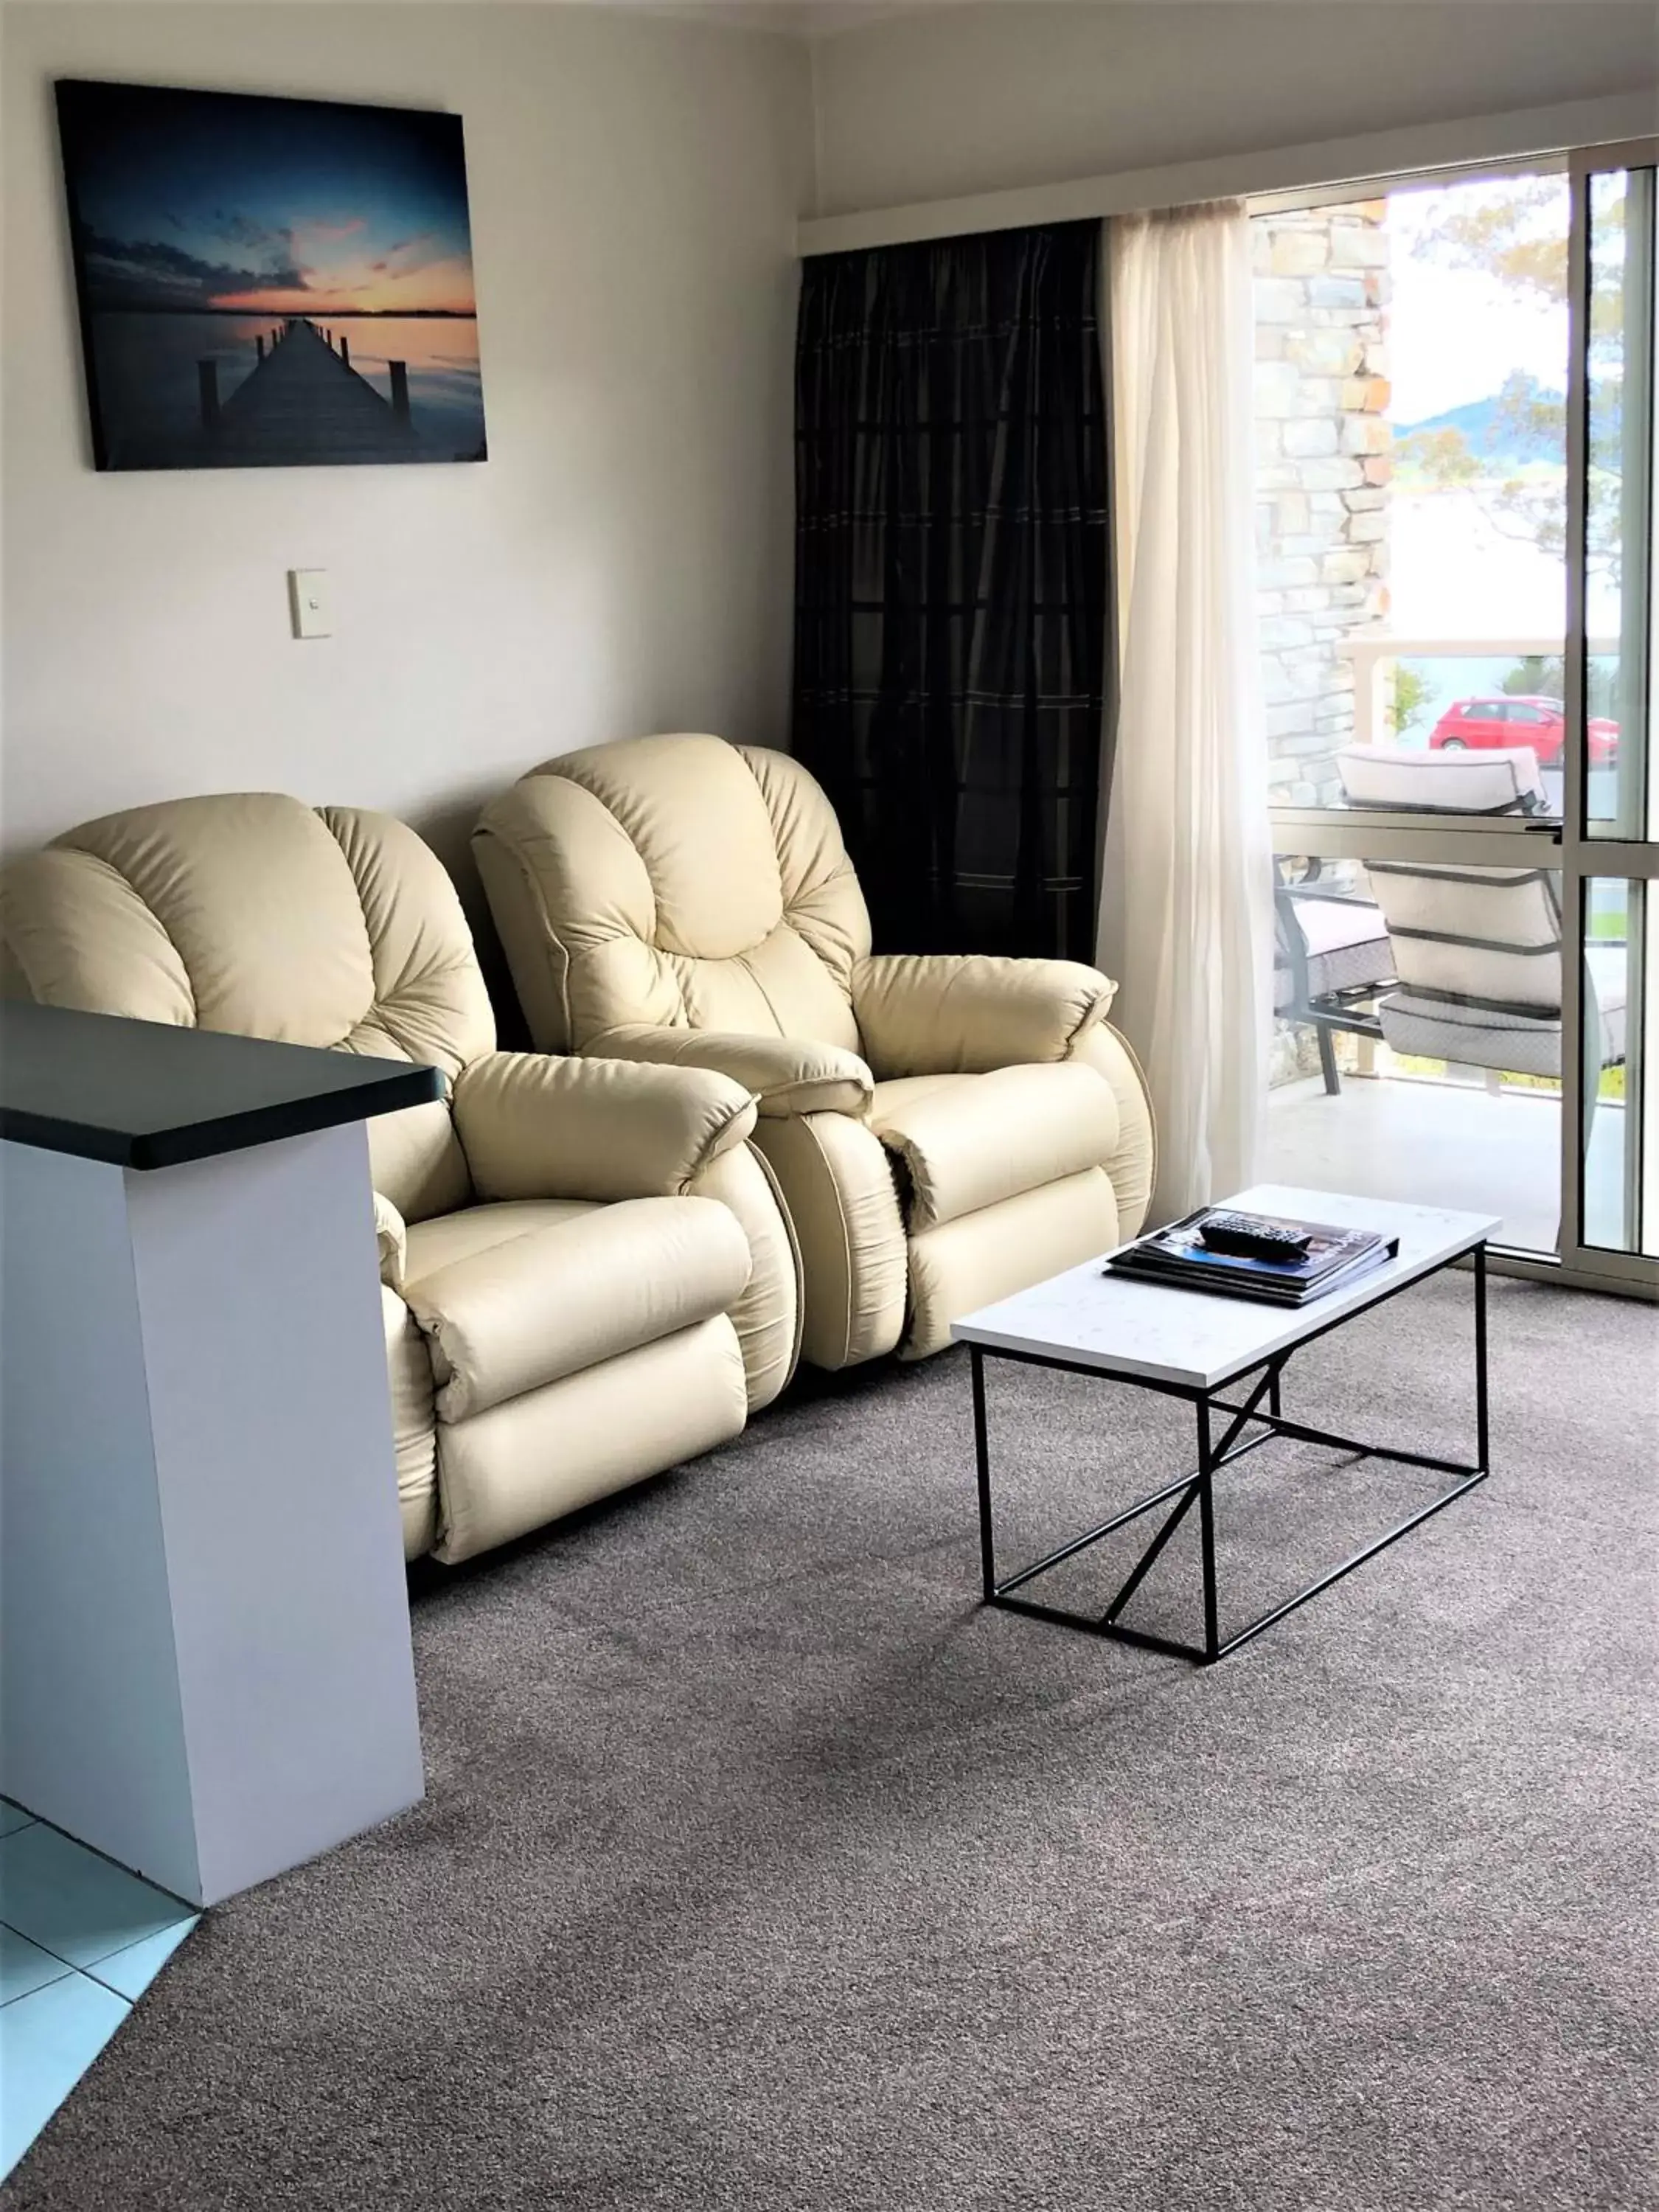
(1445,1144)
(80,1939)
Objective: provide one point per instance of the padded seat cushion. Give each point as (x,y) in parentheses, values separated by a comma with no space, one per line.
(1330,925)
(1517,1043)
(786,1075)
(430,1245)
(1515,1040)
(520,1311)
(1492,934)
(1347,948)
(1505,781)
(969,1141)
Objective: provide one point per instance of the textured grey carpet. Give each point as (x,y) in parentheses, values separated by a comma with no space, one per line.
(759,1870)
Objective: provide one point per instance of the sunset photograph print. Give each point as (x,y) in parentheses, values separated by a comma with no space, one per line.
(270,283)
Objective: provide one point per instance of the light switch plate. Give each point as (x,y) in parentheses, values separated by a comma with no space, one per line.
(307,601)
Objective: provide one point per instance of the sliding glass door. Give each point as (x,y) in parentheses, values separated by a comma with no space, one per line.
(1412,343)
(1610,828)
(1454,412)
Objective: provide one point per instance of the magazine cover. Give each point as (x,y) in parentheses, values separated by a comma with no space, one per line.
(1329,1248)
(1178,1258)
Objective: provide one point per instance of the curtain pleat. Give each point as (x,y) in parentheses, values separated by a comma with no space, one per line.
(1186,904)
(951,566)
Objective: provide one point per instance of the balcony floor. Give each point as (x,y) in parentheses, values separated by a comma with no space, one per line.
(1439,1143)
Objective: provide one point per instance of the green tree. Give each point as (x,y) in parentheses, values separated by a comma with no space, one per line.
(1544,676)
(1518,234)
(1411,698)
(1537,676)
(1446,457)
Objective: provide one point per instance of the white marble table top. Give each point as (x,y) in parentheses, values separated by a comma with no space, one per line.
(1122,1327)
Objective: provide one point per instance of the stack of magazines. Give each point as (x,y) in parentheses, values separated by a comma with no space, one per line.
(1330,1260)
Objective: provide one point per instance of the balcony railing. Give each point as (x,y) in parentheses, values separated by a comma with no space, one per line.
(1370,656)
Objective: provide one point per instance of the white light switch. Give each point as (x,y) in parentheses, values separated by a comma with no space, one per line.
(308,599)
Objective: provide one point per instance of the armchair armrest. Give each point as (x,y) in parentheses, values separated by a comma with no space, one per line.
(788,1075)
(534,1126)
(1134,1166)
(967,1014)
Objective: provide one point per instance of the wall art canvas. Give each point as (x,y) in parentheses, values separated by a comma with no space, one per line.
(270,283)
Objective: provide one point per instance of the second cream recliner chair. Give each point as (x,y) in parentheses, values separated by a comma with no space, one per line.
(585,1275)
(945,1130)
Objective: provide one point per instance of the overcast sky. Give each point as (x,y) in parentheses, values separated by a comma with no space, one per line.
(1455,336)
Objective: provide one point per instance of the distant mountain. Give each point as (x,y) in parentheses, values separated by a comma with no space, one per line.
(1497,429)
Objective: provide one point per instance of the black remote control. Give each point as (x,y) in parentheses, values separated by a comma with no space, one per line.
(1248,1238)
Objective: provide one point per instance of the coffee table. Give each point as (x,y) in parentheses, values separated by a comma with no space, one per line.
(1227,1357)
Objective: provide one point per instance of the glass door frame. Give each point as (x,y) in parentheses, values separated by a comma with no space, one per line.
(1585,857)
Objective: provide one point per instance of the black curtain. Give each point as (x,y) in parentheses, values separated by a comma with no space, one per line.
(951,581)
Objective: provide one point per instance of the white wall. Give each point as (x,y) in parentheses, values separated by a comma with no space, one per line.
(621,563)
(936,105)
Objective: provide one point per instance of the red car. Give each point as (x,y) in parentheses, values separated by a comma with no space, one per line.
(1508,720)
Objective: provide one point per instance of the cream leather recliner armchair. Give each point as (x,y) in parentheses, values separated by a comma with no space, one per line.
(586,1276)
(945,1130)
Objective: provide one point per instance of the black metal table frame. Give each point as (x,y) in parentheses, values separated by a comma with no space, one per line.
(1196,1486)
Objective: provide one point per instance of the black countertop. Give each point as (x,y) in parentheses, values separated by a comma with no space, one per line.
(148,1095)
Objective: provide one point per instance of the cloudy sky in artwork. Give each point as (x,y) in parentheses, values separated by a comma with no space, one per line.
(184,201)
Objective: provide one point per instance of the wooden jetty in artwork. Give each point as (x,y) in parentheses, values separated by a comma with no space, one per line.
(304,402)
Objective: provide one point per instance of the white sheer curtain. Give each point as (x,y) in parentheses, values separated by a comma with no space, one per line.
(1187,908)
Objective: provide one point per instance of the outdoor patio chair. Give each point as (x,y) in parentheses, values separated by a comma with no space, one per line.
(1478,951)
(1405,782)
(1331,957)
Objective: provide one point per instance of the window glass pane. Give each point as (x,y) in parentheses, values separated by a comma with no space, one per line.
(1417,1053)
(1620,569)
(1411,414)
(1620,1139)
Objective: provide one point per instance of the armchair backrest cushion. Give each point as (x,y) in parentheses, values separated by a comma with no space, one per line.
(678,881)
(253,913)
